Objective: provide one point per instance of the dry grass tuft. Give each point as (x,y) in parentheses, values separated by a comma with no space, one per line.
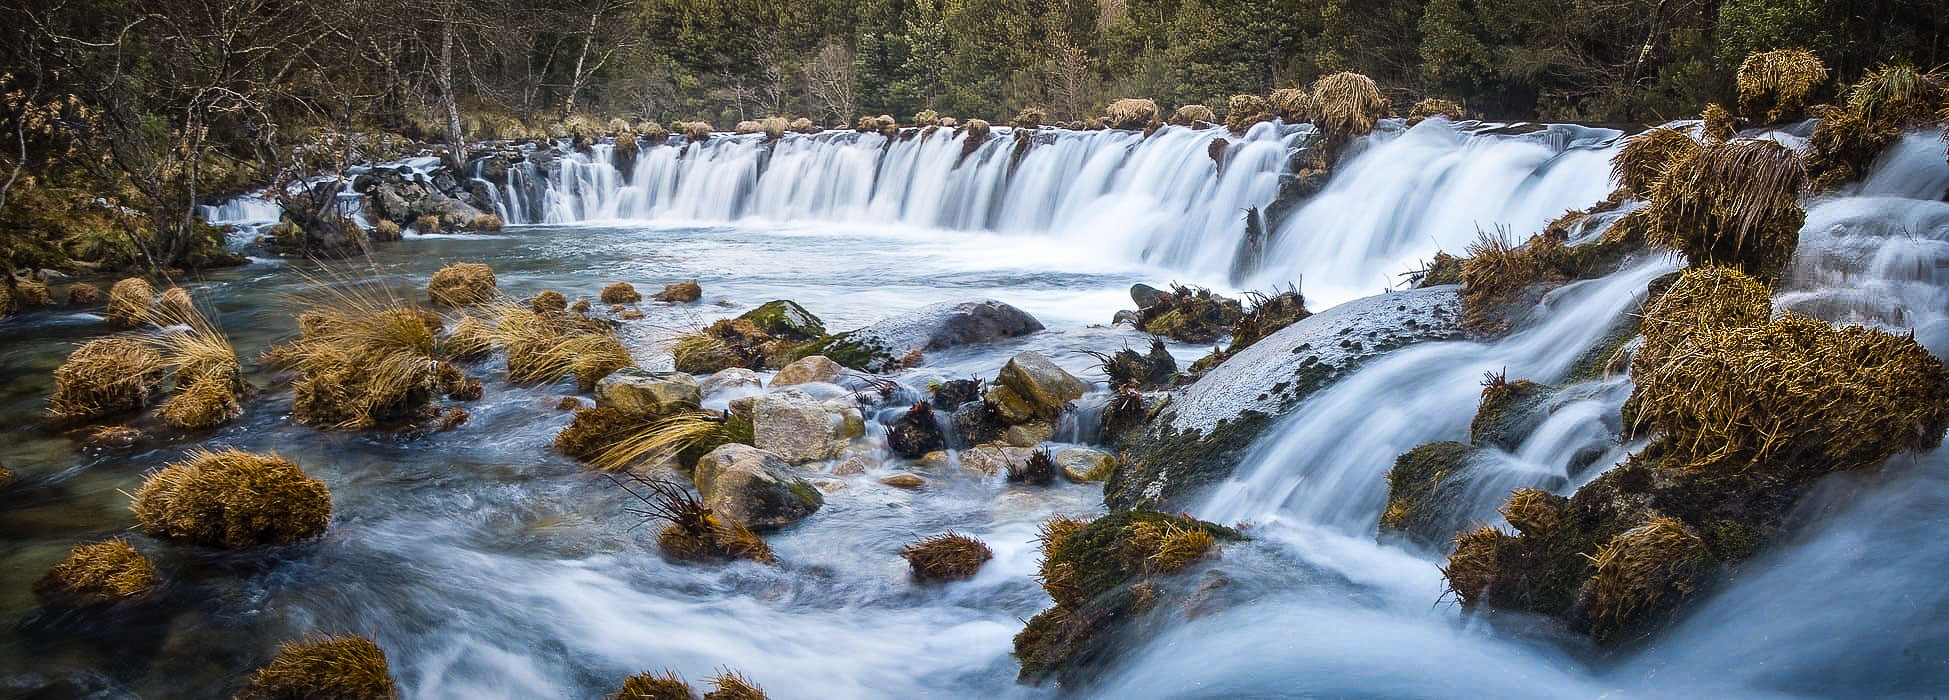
(232,499)
(620,293)
(655,686)
(732,685)
(1291,105)
(174,305)
(84,294)
(471,339)
(1898,95)
(1495,270)
(344,667)
(1170,547)
(1646,157)
(105,377)
(1346,105)
(1734,203)
(207,371)
(547,347)
(1131,113)
(1703,299)
(129,302)
(365,357)
(1245,110)
(1775,84)
(548,301)
(1473,567)
(1638,569)
(96,574)
(691,531)
(671,437)
(1434,107)
(1533,512)
(948,557)
(680,292)
(462,284)
(1195,116)
(1718,124)
(31,294)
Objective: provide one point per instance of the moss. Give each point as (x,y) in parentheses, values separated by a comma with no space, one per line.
(948,557)
(850,350)
(1190,314)
(462,284)
(1507,413)
(105,377)
(654,686)
(1420,491)
(1444,269)
(130,302)
(785,319)
(233,499)
(97,574)
(345,667)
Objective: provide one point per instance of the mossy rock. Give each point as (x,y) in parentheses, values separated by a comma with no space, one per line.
(1509,412)
(851,350)
(1422,493)
(787,320)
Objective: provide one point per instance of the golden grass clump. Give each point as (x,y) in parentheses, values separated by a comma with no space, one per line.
(1291,105)
(31,294)
(129,302)
(617,441)
(703,353)
(1638,569)
(680,292)
(548,301)
(1795,396)
(1434,107)
(1031,117)
(620,293)
(1844,145)
(1170,547)
(1473,567)
(1646,157)
(1242,111)
(949,557)
(1774,85)
(364,358)
(95,574)
(1131,113)
(545,347)
(731,685)
(655,686)
(1495,270)
(470,339)
(1533,512)
(462,284)
(1734,203)
(427,224)
(104,377)
(1897,95)
(233,499)
(386,230)
(173,306)
(83,294)
(1348,104)
(1701,300)
(1717,124)
(208,374)
(691,532)
(923,118)
(345,667)
(1194,116)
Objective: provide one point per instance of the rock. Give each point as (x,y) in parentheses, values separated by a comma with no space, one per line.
(992,460)
(805,370)
(852,421)
(976,422)
(1030,386)
(744,407)
(731,380)
(1428,494)
(1085,465)
(795,426)
(680,292)
(645,393)
(887,345)
(1509,412)
(855,464)
(1029,434)
(937,458)
(754,487)
(904,480)
(916,432)
(1144,295)
(950,394)
(785,319)
(1196,439)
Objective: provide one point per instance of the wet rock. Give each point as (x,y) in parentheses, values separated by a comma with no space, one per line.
(1190,314)
(1029,434)
(856,464)
(935,459)
(785,319)
(904,480)
(993,460)
(743,407)
(916,432)
(890,343)
(852,421)
(1085,465)
(1195,439)
(645,393)
(1509,412)
(806,370)
(731,380)
(795,426)
(1030,386)
(950,394)
(755,487)
(976,422)
(1429,500)
(1144,295)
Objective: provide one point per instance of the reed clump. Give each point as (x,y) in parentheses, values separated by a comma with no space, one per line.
(1291,105)
(544,347)
(1242,111)
(1734,204)
(363,357)
(84,294)
(1346,105)
(343,666)
(1131,113)
(104,377)
(233,500)
(948,557)
(462,284)
(1430,107)
(129,303)
(1872,116)
(97,574)
(655,686)
(1646,157)
(209,378)
(1774,85)
(731,685)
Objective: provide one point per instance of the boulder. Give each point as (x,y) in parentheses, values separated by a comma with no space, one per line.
(730,380)
(1031,386)
(976,422)
(1029,434)
(1144,295)
(992,460)
(796,427)
(754,487)
(1085,465)
(785,319)
(852,421)
(890,343)
(645,393)
(805,370)
(904,480)
(1196,439)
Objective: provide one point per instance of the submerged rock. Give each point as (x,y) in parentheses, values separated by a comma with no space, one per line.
(993,460)
(1195,439)
(754,487)
(889,343)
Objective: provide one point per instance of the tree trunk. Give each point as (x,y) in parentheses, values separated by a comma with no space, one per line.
(455,143)
(581,58)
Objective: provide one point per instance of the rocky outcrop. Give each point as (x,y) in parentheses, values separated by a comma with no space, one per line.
(890,343)
(754,487)
(1196,437)
(731,380)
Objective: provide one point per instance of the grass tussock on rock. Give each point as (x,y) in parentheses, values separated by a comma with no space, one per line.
(97,574)
(1194,116)
(691,532)
(654,686)
(949,557)
(1434,107)
(1874,113)
(1243,111)
(209,377)
(105,377)
(129,303)
(232,499)
(620,293)
(462,284)
(1346,105)
(1131,113)
(346,667)
(1189,314)
(1734,203)
(363,358)
(1700,300)
(1645,158)
(771,335)
(731,685)
(1774,85)
(614,440)
(544,347)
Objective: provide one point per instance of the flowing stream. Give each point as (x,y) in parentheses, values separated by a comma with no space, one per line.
(488,565)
